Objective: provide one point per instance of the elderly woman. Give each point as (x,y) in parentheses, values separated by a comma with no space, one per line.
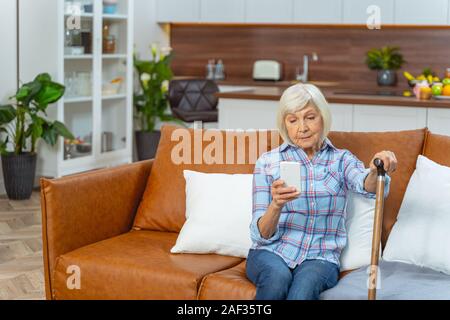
(298,236)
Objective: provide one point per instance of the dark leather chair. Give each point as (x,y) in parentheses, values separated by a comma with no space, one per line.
(193,100)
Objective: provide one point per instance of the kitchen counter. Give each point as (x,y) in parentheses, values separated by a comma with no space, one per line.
(273,93)
(357,109)
(333,91)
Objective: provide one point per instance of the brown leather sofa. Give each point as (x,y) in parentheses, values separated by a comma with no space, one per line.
(118,225)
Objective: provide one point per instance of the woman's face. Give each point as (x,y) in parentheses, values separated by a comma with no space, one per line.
(305,127)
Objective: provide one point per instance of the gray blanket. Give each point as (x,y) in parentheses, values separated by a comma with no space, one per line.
(399,281)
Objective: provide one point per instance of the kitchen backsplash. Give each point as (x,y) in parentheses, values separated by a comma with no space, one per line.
(341,50)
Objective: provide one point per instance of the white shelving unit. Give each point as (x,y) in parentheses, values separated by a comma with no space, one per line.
(102,119)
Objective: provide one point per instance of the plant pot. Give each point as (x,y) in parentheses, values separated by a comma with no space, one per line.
(387,78)
(147,144)
(18,173)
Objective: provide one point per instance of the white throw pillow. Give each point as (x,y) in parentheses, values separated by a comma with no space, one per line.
(218,213)
(360,213)
(421,235)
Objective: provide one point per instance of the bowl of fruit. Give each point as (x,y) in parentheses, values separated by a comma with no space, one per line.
(427,75)
(441,91)
(428,85)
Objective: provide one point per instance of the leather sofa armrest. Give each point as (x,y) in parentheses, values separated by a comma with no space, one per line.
(86,208)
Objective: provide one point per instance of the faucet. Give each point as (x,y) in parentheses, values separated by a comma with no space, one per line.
(304,76)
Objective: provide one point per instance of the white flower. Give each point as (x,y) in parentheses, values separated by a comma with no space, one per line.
(165,51)
(145,77)
(154,49)
(165,86)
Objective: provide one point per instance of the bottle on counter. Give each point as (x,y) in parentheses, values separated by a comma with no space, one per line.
(220,70)
(210,70)
(447,74)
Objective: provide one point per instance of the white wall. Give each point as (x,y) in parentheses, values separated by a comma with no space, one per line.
(146,30)
(8,53)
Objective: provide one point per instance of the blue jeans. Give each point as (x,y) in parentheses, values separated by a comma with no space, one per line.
(274,280)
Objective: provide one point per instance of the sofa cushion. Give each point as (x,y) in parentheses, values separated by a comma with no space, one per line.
(397,281)
(437,148)
(163,205)
(231,284)
(420,236)
(407,145)
(217,223)
(136,265)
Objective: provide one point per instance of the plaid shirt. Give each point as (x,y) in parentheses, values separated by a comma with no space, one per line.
(313,225)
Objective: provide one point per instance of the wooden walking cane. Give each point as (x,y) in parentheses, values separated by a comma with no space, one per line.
(377,225)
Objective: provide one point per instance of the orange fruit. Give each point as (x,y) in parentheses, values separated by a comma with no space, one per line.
(446,90)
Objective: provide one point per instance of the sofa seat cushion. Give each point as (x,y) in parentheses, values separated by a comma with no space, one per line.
(398,281)
(232,284)
(135,265)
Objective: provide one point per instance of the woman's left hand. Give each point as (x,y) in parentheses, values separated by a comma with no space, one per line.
(389,160)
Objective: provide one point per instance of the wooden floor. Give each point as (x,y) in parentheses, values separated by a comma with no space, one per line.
(21,263)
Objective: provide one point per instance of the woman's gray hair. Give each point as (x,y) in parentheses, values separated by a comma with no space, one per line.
(297,97)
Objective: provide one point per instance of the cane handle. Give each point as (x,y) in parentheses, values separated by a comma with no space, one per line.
(380,166)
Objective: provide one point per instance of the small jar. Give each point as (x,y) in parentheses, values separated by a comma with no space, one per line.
(425,93)
(109,44)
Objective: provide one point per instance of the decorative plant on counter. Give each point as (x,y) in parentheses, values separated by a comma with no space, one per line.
(22,125)
(386,60)
(151,102)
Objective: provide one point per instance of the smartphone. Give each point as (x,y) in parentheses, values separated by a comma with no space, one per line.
(290,174)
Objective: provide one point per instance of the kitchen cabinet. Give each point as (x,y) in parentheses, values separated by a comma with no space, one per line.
(439,121)
(448,22)
(355,11)
(247,114)
(96,109)
(421,12)
(178,11)
(318,11)
(222,11)
(342,117)
(367,118)
(269,11)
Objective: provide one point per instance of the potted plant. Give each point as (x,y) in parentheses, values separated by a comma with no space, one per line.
(386,60)
(151,102)
(22,124)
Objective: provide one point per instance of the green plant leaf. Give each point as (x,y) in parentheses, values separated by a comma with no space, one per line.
(3,146)
(49,134)
(35,128)
(51,92)
(43,77)
(28,91)
(7,114)
(385,58)
(62,130)
(23,92)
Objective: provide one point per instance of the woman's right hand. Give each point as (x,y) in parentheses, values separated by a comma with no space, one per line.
(282,195)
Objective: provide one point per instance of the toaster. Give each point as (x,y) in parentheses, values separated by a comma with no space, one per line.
(267,70)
